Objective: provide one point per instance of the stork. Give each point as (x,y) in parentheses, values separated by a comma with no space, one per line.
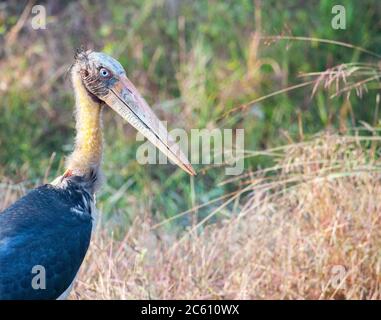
(51,226)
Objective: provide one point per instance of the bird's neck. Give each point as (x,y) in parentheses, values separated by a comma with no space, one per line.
(85,161)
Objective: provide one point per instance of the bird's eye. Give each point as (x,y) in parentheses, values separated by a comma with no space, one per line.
(104,73)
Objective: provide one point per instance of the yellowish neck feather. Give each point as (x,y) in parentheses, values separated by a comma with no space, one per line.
(87,155)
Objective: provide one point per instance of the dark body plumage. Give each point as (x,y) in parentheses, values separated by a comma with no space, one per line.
(50,227)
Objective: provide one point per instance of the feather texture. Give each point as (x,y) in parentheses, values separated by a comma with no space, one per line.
(50,227)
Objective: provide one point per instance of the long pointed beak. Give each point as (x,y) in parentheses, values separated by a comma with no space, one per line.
(125,100)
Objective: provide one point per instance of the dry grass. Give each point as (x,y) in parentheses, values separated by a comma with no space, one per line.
(348,77)
(316,209)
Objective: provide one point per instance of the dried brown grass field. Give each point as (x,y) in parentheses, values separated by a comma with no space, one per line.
(308,228)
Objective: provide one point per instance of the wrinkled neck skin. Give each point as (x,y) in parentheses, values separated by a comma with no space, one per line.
(85,161)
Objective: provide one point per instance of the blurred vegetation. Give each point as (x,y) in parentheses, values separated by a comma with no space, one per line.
(193,61)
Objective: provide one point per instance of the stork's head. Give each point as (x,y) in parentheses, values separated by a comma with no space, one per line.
(105,81)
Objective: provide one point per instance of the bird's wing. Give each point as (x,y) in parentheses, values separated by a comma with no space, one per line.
(44,237)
